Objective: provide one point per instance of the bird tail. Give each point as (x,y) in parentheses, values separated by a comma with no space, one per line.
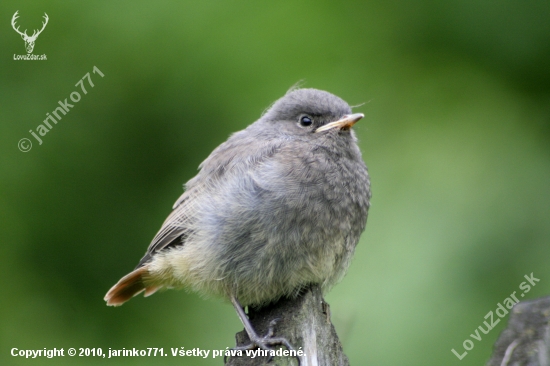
(129,286)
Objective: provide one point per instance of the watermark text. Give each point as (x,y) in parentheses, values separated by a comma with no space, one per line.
(58,113)
(491,320)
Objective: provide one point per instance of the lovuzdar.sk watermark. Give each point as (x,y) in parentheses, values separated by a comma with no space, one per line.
(29,40)
(501,311)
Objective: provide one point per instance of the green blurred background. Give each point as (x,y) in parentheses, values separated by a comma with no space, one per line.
(456,135)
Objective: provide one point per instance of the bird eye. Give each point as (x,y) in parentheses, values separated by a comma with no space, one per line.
(305,121)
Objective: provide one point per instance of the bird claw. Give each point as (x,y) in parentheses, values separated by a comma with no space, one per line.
(256,341)
(266,342)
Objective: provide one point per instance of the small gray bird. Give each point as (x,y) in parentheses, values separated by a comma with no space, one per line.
(277,207)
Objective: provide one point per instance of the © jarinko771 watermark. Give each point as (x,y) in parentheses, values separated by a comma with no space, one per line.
(46,126)
(492,320)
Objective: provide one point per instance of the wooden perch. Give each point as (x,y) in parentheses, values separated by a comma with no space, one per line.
(305,323)
(526,341)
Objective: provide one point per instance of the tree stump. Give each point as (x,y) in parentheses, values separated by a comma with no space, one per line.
(305,323)
(526,341)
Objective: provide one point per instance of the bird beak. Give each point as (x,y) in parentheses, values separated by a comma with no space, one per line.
(344,123)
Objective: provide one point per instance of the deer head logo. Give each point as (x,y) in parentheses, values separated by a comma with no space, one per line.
(29,41)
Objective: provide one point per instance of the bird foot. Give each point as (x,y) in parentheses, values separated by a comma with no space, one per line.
(266,342)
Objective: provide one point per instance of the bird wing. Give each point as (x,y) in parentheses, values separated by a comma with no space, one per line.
(171,233)
(228,160)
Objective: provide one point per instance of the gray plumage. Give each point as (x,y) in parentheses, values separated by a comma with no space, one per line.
(278,206)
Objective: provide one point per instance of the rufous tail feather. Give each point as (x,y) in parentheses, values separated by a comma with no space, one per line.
(128,287)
